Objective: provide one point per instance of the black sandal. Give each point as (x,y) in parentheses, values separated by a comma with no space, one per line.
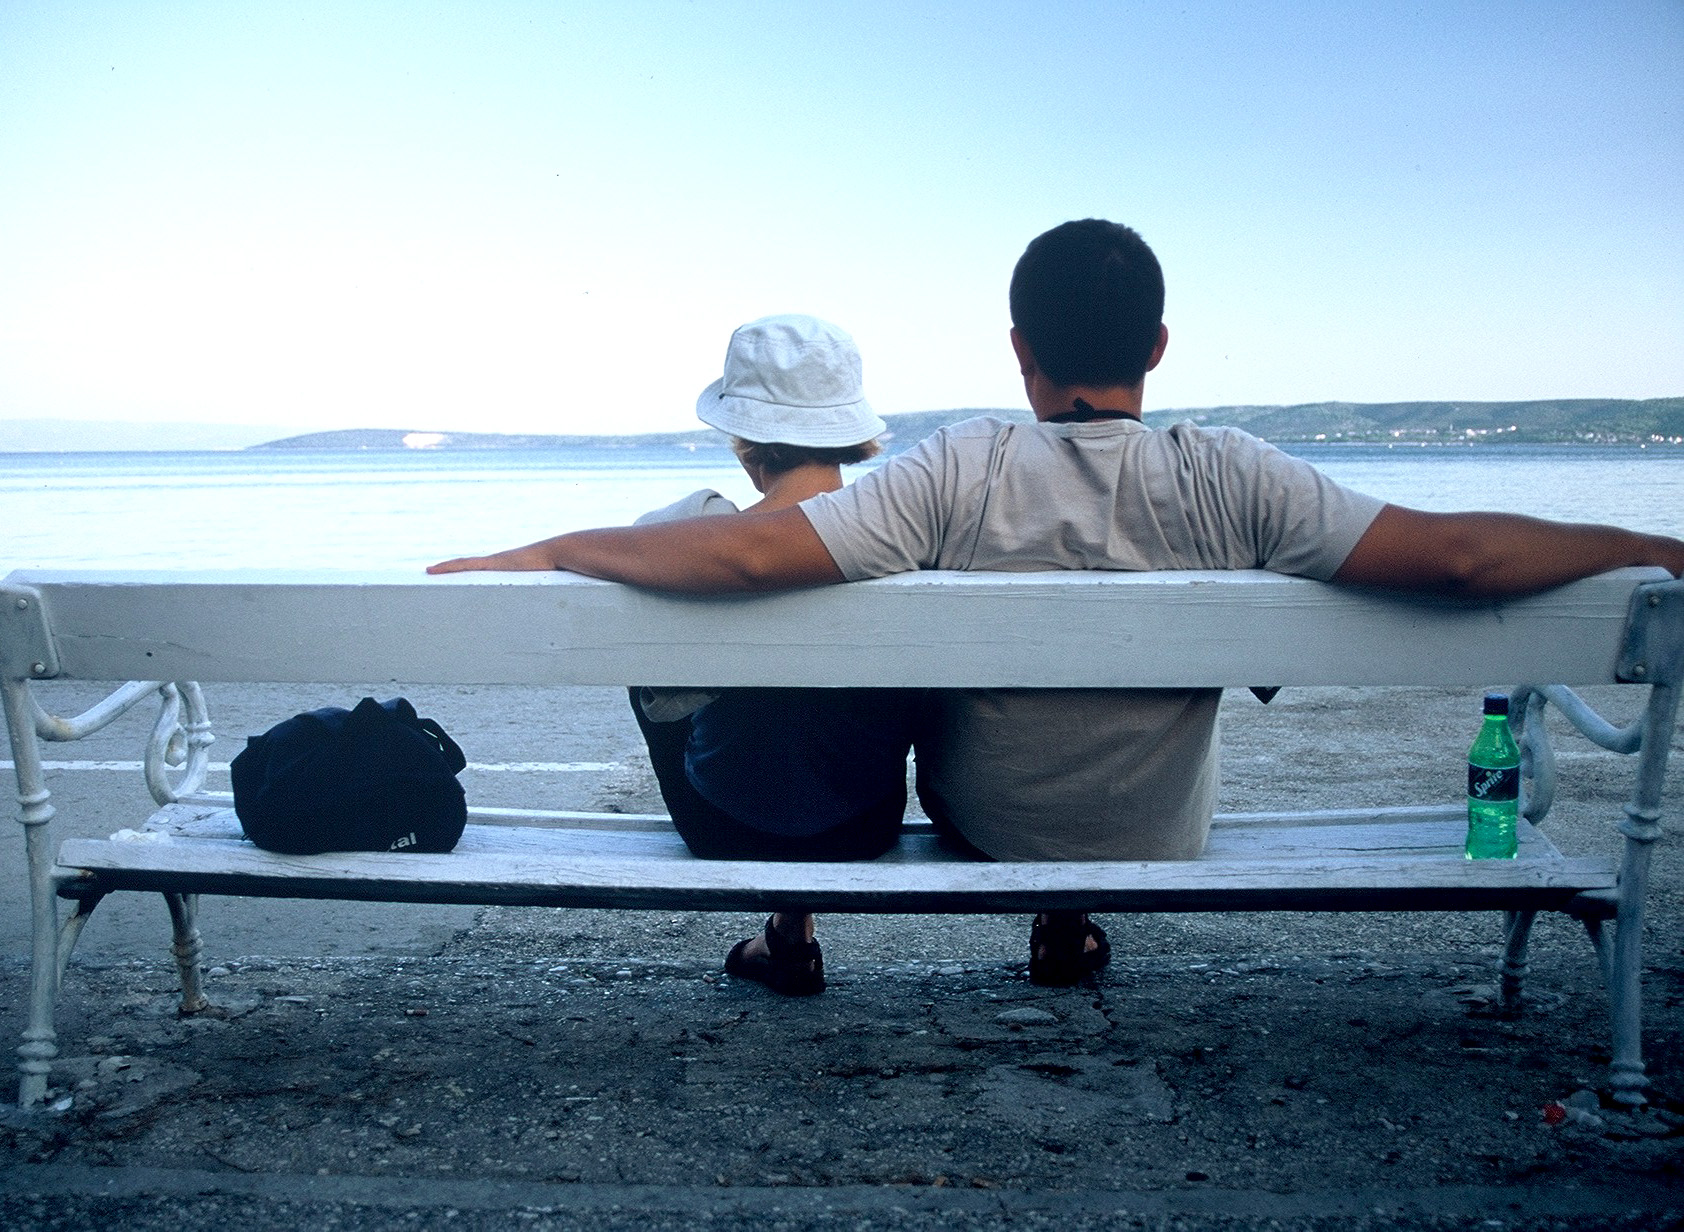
(793,968)
(1058,949)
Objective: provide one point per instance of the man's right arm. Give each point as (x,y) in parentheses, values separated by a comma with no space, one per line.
(1492,555)
(745,552)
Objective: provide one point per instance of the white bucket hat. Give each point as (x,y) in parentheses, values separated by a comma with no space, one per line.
(792,380)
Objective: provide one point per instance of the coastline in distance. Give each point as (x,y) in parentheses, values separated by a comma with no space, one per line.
(1651,421)
(1572,420)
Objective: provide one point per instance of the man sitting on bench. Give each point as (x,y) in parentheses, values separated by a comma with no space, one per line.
(1063,774)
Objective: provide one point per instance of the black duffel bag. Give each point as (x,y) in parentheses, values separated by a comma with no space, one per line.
(377,778)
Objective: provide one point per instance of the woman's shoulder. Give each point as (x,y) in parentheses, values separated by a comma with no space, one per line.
(702,503)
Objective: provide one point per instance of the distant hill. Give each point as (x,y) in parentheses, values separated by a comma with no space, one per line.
(904,430)
(401,438)
(1584,420)
(1580,420)
(1572,420)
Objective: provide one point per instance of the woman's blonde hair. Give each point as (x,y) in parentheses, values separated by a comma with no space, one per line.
(775,457)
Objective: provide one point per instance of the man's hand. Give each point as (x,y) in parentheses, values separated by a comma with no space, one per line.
(1491,555)
(532,558)
(744,552)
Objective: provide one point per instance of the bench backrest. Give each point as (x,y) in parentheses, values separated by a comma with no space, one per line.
(1079,629)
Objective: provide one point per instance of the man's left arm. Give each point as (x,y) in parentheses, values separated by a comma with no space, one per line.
(1492,555)
(746,552)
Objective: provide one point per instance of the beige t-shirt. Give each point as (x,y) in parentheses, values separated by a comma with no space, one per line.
(1072,774)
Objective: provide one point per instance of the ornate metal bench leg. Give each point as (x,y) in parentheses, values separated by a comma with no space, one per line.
(1641,826)
(1625,986)
(188,949)
(40,1040)
(71,930)
(1599,941)
(1514,960)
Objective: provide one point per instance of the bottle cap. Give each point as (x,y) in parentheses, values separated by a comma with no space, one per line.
(1497,703)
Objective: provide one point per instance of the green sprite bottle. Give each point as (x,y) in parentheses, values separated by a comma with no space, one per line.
(1493,785)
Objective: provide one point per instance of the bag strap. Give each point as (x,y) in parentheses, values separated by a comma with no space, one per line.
(399,710)
(452,751)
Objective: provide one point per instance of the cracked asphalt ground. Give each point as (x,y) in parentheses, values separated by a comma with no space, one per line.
(374,1066)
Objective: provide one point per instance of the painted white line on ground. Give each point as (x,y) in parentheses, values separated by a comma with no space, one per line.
(130,766)
(545,767)
(514,767)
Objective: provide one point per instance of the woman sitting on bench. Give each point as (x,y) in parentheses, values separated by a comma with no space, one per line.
(782,774)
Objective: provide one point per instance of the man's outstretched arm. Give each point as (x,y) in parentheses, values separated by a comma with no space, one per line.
(1490,555)
(744,552)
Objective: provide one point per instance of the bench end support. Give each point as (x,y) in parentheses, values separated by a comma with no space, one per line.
(1652,650)
(26,646)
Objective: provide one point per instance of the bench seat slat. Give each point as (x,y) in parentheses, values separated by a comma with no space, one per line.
(1358,867)
(1251,836)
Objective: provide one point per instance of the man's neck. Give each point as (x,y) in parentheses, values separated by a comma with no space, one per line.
(1050,401)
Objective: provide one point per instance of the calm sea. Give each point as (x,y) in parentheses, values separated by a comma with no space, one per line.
(382,510)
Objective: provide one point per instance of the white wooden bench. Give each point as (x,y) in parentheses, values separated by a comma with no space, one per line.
(1078,630)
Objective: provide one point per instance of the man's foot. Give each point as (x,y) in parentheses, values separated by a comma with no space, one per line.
(784,957)
(1065,947)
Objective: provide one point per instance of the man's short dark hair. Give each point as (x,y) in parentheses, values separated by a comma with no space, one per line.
(1088,298)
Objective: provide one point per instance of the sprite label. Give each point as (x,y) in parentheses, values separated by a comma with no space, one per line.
(1493,782)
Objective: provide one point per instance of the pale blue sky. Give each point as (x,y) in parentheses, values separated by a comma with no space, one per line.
(511,216)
